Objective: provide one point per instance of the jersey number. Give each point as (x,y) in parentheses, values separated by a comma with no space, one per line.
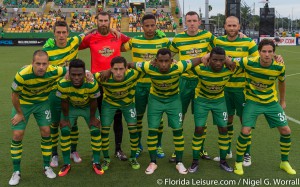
(48,114)
(225,116)
(132,113)
(282,116)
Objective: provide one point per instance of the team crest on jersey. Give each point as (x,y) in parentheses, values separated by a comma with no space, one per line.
(272,78)
(239,49)
(194,52)
(120,93)
(237,59)
(97,95)
(158,46)
(148,56)
(106,51)
(139,64)
(58,93)
(164,85)
(188,61)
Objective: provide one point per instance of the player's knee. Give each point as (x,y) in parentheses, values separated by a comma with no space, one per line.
(246,130)
(18,135)
(222,130)
(45,131)
(199,130)
(285,130)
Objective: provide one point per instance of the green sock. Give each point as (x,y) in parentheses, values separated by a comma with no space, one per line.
(96,143)
(65,143)
(46,146)
(285,146)
(241,146)
(16,149)
(196,145)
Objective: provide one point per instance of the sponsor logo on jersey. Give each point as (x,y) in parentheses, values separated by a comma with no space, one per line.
(106,51)
(148,56)
(259,85)
(194,52)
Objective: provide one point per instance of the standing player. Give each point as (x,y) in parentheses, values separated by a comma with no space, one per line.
(261,98)
(190,44)
(60,53)
(31,88)
(104,47)
(164,97)
(119,92)
(144,48)
(79,98)
(210,97)
(235,46)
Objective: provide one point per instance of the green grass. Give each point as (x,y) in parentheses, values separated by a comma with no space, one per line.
(265,141)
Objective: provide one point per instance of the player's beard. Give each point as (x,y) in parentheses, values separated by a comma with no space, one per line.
(103,30)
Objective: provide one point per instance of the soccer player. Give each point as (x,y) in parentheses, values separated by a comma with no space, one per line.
(235,46)
(164,97)
(190,44)
(210,97)
(60,53)
(104,47)
(119,92)
(79,98)
(30,90)
(144,48)
(261,98)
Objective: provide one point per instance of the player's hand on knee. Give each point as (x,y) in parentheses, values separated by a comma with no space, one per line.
(63,123)
(17,119)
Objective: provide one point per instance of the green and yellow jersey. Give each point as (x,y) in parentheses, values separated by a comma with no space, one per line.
(78,97)
(34,89)
(119,93)
(62,56)
(211,84)
(164,85)
(240,47)
(143,49)
(261,81)
(189,47)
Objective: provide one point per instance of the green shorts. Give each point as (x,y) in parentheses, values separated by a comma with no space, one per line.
(172,107)
(187,92)
(235,101)
(55,107)
(217,107)
(141,98)
(108,112)
(273,112)
(75,112)
(40,111)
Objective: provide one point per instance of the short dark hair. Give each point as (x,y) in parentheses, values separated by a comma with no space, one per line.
(217,51)
(118,59)
(191,13)
(266,42)
(148,16)
(77,63)
(102,13)
(60,24)
(163,51)
(39,53)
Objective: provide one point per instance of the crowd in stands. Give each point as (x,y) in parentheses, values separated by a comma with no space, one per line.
(33,22)
(74,3)
(82,21)
(23,3)
(157,3)
(117,3)
(3,16)
(164,21)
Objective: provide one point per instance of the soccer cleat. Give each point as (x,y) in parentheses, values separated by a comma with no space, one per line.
(285,165)
(98,169)
(49,172)
(134,163)
(105,164)
(181,169)
(75,156)
(121,155)
(54,161)
(204,155)
(151,168)
(228,156)
(225,166)
(194,167)
(64,170)
(159,152)
(247,160)
(172,158)
(238,168)
(138,152)
(15,178)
